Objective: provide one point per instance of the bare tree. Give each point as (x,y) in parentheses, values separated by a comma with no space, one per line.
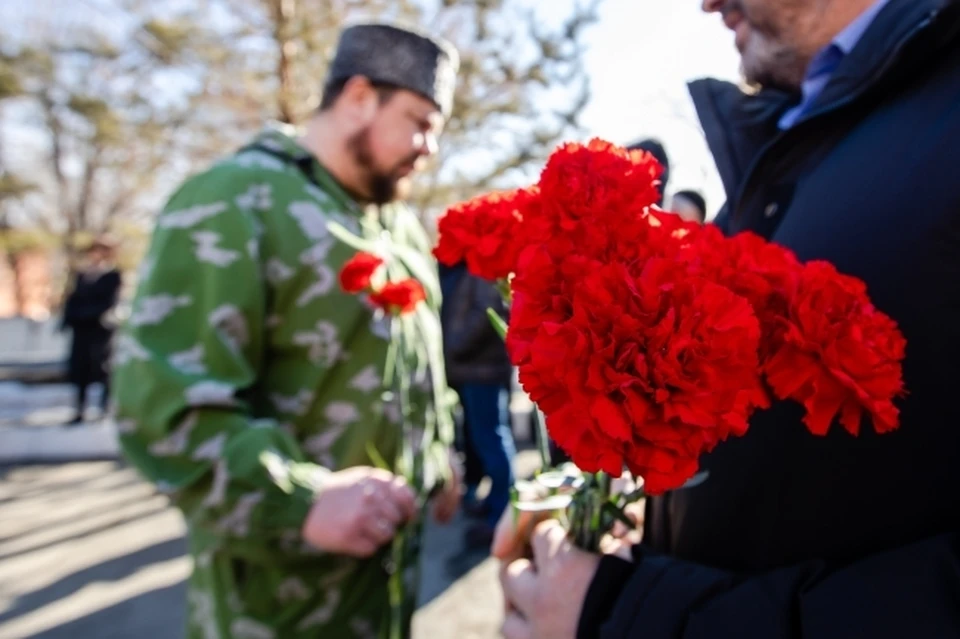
(521,88)
(93,95)
(128,96)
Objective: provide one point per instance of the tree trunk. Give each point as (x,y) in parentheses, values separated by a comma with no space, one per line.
(19,295)
(283,14)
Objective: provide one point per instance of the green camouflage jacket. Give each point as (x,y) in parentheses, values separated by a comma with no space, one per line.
(245,375)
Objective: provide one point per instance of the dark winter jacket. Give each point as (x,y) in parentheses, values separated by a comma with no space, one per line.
(791,535)
(85,313)
(473,351)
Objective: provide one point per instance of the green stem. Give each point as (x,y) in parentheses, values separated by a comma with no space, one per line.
(588,516)
(543,441)
(411,466)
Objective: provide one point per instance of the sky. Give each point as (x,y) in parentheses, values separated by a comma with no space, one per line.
(641,55)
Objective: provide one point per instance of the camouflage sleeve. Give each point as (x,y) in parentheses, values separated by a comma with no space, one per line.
(187,360)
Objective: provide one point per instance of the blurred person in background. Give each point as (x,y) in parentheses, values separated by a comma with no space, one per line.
(472,466)
(689,205)
(250,386)
(655,148)
(479,368)
(843,150)
(87,313)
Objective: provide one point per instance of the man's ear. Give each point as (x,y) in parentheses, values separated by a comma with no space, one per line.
(360,98)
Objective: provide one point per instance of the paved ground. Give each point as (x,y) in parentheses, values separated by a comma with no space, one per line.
(87,550)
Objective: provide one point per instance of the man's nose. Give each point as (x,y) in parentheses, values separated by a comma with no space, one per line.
(427,144)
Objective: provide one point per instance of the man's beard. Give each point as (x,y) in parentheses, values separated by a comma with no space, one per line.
(382,186)
(769,60)
(778,69)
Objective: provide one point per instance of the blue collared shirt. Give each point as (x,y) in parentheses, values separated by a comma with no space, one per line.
(827,60)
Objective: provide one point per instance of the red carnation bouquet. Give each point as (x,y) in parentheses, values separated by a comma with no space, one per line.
(646,341)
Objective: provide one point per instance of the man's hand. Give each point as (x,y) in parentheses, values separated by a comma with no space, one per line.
(511,540)
(621,539)
(358,511)
(446,503)
(545,596)
(512,537)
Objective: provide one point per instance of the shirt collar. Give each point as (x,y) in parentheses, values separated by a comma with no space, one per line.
(847,39)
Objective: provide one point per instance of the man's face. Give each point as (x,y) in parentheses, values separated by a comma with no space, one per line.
(394,143)
(97,256)
(776,38)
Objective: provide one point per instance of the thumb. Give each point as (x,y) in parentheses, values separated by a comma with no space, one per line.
(512,536)
(549,538)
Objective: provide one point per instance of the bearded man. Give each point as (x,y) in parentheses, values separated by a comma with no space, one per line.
(250,386)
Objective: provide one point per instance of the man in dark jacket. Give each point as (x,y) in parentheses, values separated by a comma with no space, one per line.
(846,155)
(450,277)
(479,369)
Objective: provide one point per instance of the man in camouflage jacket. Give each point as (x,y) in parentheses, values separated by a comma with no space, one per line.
(250,387)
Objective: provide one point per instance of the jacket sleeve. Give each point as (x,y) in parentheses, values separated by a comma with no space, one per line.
(913,591)
(722,220)
(187,361)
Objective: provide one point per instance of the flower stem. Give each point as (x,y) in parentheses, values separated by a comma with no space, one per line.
(410,465)
(543,438)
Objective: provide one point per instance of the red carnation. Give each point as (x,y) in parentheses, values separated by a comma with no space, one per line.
(399,297)
(764,273)
(840,355)
(594,183)
(356,273)
(485,232)
(648,371)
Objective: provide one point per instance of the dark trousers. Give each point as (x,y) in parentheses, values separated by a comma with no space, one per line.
(81,397)
(486,409)
(472,466)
